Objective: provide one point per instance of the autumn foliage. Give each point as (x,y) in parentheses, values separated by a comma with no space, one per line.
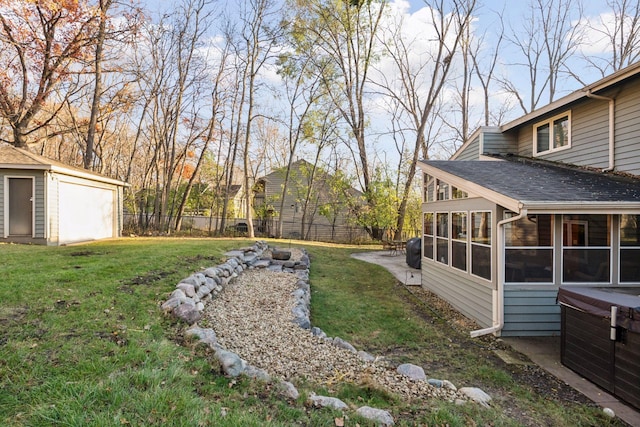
(42,43)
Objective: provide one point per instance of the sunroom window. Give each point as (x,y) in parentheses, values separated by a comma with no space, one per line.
(428,185)
(442,239)
(427,251)
(552,134)
(443,190)
(459,240)
(630,248)
(586,248)
(529,249)
(481,244)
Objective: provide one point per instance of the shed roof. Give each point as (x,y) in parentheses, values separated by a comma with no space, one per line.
(16,158)
(525,183)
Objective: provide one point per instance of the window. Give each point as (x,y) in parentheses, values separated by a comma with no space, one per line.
(459,240)
(629,248)
(456,193)
(529,249)
(428,187)
(586,248)
(442,239)
(552,134)
(427,251)
(481,244)
(443,190)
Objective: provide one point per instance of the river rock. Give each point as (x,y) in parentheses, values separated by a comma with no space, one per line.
(380,416)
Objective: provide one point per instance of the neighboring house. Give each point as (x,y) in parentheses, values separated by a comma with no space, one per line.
(46,202)
(328,215)
(551,198)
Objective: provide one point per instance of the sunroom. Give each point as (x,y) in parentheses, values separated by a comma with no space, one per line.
(500,237)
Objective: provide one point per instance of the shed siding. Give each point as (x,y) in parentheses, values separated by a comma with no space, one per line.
(471,298)
(471,152)
(40,206)
(531,312)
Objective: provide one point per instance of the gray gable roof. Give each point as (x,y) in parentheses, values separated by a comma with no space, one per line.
(535,184)
(17,158)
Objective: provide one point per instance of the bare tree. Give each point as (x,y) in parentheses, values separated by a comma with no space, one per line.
(546,38)
(344,48)
(419,84)
(258,38)
(620,30)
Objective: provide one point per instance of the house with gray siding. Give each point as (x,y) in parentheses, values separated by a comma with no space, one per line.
(43,201)
(551,198)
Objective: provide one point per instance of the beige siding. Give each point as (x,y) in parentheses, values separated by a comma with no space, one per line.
(317,227)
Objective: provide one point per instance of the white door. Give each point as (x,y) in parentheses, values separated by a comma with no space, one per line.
(85,213)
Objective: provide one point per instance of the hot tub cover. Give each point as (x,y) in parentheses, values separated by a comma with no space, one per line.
(599,300)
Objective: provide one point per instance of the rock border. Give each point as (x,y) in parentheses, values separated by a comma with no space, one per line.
(187,302)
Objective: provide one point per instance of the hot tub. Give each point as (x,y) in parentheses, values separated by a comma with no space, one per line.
(604,351)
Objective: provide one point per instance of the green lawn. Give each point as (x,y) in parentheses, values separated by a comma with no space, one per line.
(84,342)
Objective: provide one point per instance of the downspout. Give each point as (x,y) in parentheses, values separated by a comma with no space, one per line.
(612,109)
(498,293)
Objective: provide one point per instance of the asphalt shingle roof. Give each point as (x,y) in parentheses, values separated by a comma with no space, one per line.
(528,181)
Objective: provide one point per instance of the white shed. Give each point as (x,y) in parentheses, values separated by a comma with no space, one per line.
(44,201)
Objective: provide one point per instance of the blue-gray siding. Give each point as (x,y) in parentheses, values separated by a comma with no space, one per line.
(471,151)
(497,143)
(590,132)
(465,294)
(531,312)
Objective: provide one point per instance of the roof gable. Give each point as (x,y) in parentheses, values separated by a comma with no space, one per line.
(16,158)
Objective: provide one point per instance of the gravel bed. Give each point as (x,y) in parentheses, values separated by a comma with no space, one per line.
(252,318)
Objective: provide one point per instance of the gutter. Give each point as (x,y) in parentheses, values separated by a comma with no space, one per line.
(612,109)
(498,293)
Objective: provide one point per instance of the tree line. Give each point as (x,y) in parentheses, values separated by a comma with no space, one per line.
(189,102)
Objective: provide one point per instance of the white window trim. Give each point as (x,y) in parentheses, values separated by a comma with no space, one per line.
(471,243)
(610,248)
(448,238)
(465,241)
(620,249)
(432,236)
(549,122)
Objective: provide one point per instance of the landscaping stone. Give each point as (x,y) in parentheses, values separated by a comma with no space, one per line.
(187,313)
(328,402)
(232,365)
(288,390)
(339,342)
(379,416)
(281,255)
(477,395)
(414,372)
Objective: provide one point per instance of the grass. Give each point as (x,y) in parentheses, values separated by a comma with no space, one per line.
(83,342)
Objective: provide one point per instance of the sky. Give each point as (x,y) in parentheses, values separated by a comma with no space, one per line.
(487,22)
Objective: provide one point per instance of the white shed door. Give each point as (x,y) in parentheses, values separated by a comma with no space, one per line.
(85,213)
